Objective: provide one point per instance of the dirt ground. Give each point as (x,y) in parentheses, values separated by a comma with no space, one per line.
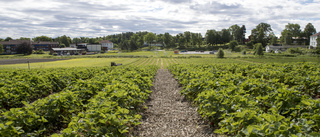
(20,61)
(169,114)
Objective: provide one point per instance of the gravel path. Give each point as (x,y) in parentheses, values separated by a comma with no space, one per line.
(169,114)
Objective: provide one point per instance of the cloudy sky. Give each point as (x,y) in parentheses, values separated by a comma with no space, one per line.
(93,18)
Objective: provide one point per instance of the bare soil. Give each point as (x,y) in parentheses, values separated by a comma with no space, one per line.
(20,61)
(169,114)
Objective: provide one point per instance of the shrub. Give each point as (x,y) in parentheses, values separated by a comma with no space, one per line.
(220,53)
(250,44)
(233,44)
(244,52)
(295,51)
(237,49)
(258,49)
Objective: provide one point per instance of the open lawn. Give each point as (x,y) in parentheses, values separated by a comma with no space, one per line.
(143,58)
(81,62)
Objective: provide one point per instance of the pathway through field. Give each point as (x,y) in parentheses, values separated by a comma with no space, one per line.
(169,114)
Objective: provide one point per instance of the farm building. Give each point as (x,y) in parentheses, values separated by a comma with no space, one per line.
(313,40)
(10,46)
(67,51)
(106,44)
(94,47)
(44,45)
(277,48)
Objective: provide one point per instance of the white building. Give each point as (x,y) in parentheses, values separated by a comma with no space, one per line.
(313,40)
(106,44)
(94,47)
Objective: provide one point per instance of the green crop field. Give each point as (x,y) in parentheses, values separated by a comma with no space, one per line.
(240,95)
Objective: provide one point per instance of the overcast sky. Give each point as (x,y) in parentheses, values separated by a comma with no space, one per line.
(93,18)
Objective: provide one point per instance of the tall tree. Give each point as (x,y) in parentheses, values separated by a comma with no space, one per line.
(168,40)
(149,38)
(134,42)
(8,39)
(187,36)
(23,38)
(181,40)
(42,38)
(211,37)
(200,39)
(308,31)
(225,36)
(25,48)
(235,32)
(261,33)
(76,40)
(290,31)
(242,34)
(274,40)
(65,40)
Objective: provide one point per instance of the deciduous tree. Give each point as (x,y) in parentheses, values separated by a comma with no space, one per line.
(25,48)
(42,38)
(149,38)
(261,33)
(308,31)
(8,39)
(233,44)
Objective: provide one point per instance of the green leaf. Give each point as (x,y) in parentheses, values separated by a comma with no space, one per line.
(9,123)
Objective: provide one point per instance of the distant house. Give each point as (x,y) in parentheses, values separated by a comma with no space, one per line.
(10,46)
(44,45)
(313,40)
(106,44)
(277,48)
(82,46)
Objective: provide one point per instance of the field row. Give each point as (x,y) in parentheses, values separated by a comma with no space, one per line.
(255,99)
(106,104)
(29,85)
(160,62)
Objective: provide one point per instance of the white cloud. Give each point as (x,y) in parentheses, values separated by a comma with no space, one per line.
(92,18)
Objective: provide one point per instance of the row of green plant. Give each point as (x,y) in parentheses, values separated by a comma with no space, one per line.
(53,113)
(28,85)
(255,99)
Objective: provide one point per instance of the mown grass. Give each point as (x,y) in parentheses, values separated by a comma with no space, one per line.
(81,62)
(105,59)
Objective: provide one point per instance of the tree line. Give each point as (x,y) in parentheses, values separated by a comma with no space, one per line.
(262,33)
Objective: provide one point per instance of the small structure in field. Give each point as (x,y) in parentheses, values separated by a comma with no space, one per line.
(114,64)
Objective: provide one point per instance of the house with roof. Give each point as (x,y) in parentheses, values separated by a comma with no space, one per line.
(106,44)
(313,40)
(10,46)
(44,45)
